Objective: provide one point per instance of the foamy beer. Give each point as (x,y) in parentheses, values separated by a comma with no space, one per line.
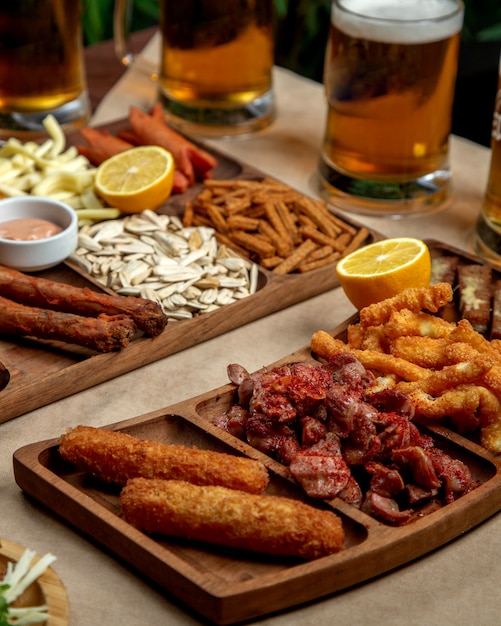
(215,75)
(41,65)
(389,76)
(487,240)
(216,60)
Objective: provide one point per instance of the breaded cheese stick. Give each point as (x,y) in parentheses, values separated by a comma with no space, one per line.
(115,457)
(217,515)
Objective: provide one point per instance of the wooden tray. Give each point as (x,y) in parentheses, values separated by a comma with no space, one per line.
(227,586)
(43,372)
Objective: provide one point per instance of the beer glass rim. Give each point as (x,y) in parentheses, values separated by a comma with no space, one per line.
(456,11)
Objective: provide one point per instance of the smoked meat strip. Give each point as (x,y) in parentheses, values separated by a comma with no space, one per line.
(47,294)
(104,333)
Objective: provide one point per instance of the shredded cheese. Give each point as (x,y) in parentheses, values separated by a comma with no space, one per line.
(52,170)
(16,580)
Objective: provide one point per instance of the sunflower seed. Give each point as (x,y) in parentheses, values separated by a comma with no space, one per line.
(155,257)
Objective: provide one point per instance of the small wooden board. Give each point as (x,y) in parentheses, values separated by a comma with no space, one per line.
(46,589)
(227,586)
(42,372)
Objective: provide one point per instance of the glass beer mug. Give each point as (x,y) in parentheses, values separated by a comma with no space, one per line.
(215,74)
(389,77)
(41,66)
(487,237)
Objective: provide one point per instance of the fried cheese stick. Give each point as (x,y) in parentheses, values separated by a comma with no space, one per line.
(217,515)
(114,457)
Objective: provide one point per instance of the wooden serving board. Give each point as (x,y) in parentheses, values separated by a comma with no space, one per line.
(42,372)
(227,586)
(46,589)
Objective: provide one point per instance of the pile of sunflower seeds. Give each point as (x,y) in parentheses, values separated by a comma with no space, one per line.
(154,256)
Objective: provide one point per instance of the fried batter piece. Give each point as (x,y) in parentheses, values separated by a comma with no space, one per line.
(465,333)
(451,372)
(450,376)
(114,457)
(260,523)
(425,351)
(325,346)
(430,298)
(406,322)
(490,421)
(368,337)
(460,405)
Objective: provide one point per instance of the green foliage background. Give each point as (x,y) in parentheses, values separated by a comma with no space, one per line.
(301,27)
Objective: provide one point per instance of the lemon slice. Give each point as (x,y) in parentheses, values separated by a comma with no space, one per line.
(383,269)
(137,179)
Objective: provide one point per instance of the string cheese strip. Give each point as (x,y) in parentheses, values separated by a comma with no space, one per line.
(54,171)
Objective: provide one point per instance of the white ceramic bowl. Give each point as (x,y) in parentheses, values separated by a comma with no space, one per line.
(38,254)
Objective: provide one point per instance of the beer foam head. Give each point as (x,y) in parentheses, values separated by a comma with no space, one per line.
(398,21)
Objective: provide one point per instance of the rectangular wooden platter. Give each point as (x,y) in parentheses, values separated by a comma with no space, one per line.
(227,586)
(43,372)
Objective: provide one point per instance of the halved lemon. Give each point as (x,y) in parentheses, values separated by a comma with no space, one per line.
(137,179)
(383,269)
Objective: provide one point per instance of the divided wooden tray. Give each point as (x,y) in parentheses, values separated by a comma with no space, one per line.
(43,372)
(227,586)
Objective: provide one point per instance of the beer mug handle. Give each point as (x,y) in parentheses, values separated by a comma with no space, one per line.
(121,19)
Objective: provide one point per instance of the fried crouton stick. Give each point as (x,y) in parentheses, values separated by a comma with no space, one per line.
(42,292)
(261,523)
(104,333)
(115,457)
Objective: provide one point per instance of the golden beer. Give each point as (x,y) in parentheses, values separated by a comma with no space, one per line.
(216,60)
(488,235)
(390,88)
(41,63)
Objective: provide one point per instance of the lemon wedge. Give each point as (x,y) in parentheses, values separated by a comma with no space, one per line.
(137,179)
(383,269)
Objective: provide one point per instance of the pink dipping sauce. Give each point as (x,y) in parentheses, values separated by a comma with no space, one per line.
(28,229)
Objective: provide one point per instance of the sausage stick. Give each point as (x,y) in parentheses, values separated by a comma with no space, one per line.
(152,129)
(203,161)
(115,457)
(102,145)
(41,292)
(103,333)
(261,523)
